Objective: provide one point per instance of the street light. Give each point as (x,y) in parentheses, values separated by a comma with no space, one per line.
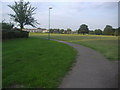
(49,24)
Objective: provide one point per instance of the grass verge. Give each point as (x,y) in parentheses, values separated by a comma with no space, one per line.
(35,62)
(109,48)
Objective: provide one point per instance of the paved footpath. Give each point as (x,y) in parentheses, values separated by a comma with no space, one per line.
(91,70)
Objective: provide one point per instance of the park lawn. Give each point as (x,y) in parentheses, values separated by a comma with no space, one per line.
(109,48)
(106,45)
(33,62)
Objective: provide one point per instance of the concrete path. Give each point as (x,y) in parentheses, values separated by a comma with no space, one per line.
(91,70)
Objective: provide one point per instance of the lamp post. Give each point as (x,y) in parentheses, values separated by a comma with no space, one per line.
(49,24)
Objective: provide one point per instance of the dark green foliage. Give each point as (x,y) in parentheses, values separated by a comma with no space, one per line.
(9,34)
(98,32)
(114,29)
(23,13)
(7,26)
(54,30)
(51,30)
(83,29)
(91,32)
(117,32)
(69,31)
(62,31)
(108,30)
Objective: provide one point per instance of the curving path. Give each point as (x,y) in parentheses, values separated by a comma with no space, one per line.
(91,70)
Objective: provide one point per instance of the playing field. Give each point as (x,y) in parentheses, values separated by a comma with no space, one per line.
(106,45)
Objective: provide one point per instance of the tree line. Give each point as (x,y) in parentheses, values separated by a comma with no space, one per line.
(108,30)
(83,29)
(61,31)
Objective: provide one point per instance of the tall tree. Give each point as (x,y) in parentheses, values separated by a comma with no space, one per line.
(23,14)
(108,30)
(83,29)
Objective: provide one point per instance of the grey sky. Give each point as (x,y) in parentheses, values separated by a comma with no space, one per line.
(72,14)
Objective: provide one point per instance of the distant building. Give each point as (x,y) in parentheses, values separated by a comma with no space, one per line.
(75,32)
(45,31)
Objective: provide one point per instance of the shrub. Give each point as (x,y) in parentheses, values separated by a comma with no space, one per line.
(7,26)
(8,34)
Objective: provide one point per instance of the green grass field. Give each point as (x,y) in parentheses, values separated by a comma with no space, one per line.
(106,45)
(35,62)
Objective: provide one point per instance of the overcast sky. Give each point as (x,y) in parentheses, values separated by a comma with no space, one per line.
(72,14)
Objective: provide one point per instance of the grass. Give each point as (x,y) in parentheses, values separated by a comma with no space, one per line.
(35,62)
(109,48)
(107,45)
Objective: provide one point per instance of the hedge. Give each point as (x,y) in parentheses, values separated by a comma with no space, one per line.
(9,34)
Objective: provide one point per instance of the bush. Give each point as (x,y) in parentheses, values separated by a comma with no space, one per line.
(17,34)
(24,34)
(9,34)
(7,26)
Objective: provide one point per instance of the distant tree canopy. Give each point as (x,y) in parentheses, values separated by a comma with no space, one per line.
(62,31)
(108,30)
(117,32)
(69,31)
(98,32)
(51,30)
(23,14)
(91,32)
(54,30)
(83,29)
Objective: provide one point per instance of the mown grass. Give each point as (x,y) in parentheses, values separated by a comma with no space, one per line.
(107,45)
(109,48)
(35,62)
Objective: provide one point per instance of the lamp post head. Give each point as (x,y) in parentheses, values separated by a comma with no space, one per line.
(50,7)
